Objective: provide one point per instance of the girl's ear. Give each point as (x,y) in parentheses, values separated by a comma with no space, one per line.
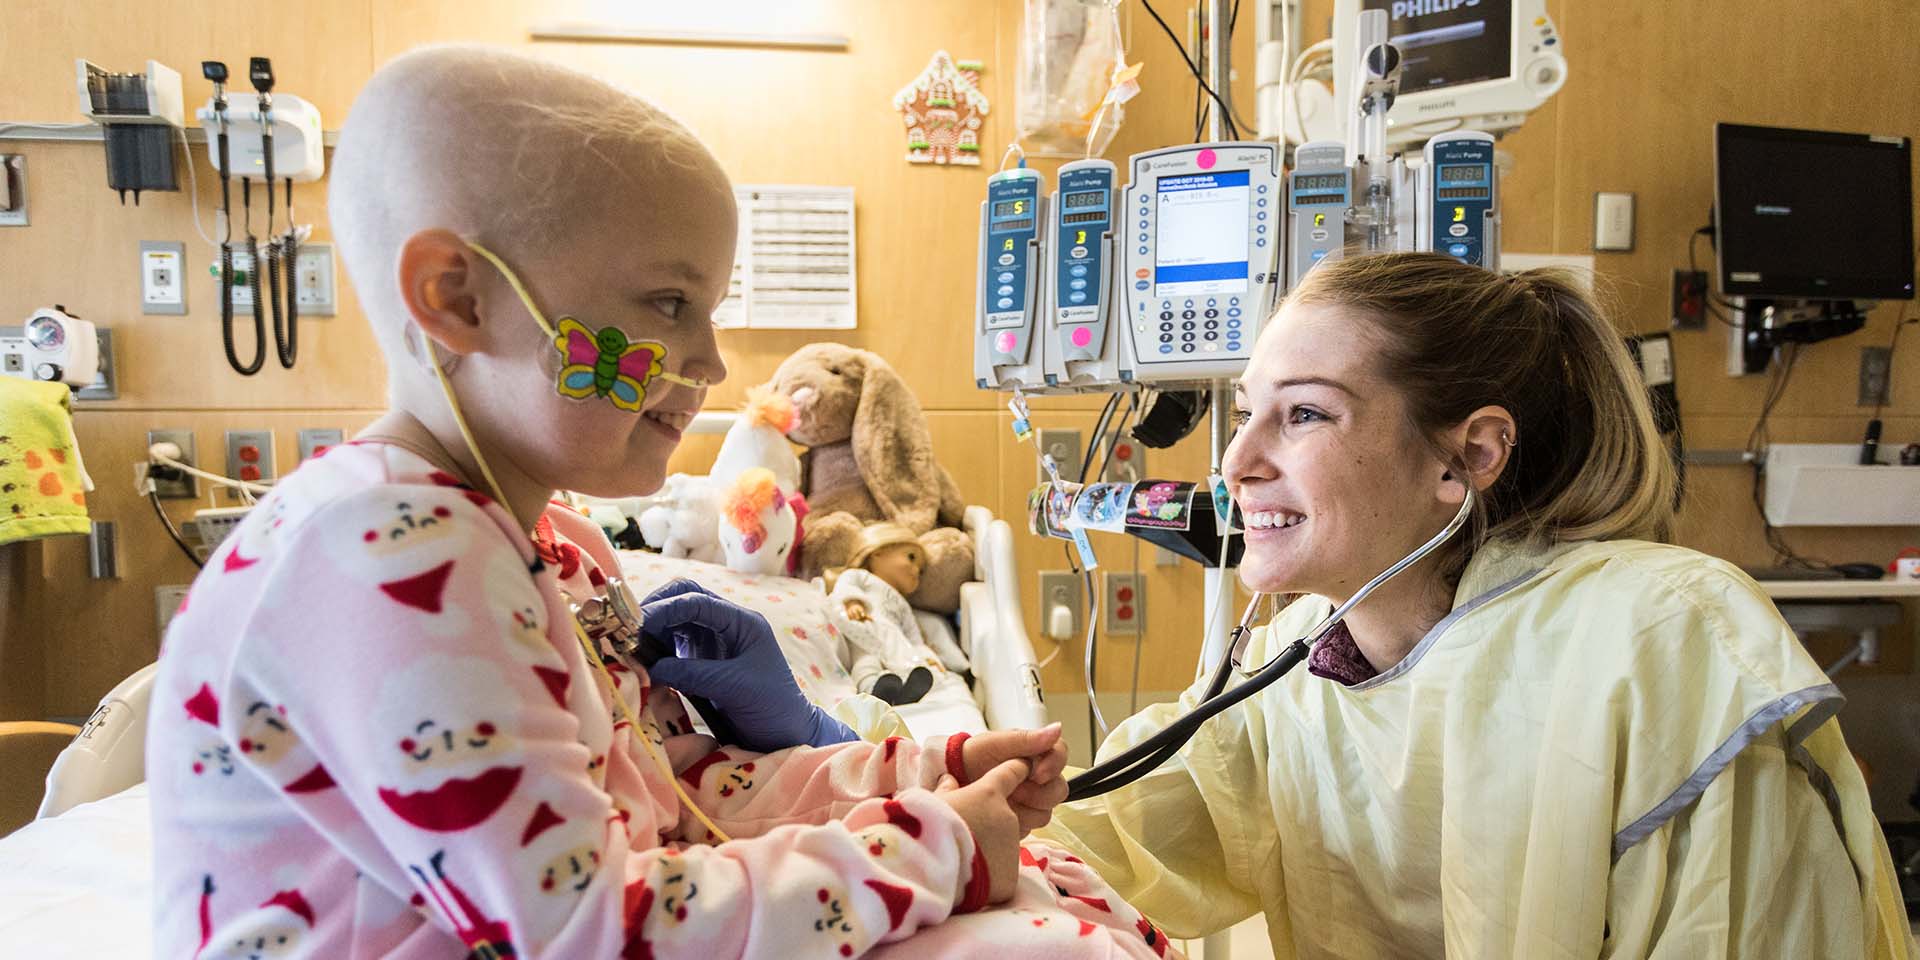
(437,285)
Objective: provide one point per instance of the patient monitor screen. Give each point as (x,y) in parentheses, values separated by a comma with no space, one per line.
(1445,43)
(1817,215)
(1200,234)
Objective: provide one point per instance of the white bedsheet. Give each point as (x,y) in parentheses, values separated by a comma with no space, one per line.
(797,610)
(78,885)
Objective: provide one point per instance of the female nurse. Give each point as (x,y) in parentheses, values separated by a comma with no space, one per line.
(1555,737)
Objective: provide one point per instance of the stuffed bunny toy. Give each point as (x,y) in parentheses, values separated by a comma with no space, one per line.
(870,459)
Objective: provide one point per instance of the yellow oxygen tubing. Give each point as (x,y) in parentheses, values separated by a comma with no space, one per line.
(634,730)
(513,279)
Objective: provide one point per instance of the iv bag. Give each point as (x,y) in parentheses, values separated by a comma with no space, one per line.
(1068,52)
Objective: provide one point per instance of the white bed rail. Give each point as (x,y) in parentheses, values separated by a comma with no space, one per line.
(108,755)
(1006,673)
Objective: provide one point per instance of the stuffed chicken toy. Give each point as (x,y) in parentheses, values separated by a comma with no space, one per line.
(888,656)
(758,438)
(759,524)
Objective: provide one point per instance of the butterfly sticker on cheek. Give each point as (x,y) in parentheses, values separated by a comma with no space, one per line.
(597,364)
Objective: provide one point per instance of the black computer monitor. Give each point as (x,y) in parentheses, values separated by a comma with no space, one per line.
(1812,215)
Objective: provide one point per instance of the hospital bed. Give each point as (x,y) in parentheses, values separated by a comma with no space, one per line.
(76,882)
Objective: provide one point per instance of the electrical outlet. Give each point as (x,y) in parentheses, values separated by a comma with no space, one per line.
(171,484)
(1061,588)
(1613,222)
(1125,606)
(1128,463)
(1876,375)
(163,279)
(167,599)
(314,442)
(313,279)
(1689,299)
(1064,445)
(249,457)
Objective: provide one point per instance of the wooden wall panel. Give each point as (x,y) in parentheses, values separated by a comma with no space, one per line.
(1636,115)
(94,632)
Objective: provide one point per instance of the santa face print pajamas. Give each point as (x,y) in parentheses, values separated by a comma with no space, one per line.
(374,734)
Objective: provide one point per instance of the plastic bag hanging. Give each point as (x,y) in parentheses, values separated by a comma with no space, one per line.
(1069,52)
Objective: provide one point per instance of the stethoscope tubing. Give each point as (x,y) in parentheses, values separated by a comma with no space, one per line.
(1141,759)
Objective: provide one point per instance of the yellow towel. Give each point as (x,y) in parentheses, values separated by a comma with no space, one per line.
(43,484)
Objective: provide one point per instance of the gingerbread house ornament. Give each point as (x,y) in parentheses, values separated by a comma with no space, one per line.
(942,111)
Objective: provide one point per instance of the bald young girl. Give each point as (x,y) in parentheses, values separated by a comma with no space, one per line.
(376,730)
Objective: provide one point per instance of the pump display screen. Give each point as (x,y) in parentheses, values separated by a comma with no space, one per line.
(1462,173)
(1009,208)
(1200,234)
(1447,43)
(1320,181)
(1086,198)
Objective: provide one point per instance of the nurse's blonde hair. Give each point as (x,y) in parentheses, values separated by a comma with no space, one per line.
(1588,464)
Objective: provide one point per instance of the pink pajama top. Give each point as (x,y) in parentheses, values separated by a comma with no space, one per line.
(374,734)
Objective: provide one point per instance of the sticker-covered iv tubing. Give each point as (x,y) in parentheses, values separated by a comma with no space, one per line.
(1144,757)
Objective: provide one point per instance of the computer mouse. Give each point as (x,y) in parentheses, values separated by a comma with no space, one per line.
(1860,571)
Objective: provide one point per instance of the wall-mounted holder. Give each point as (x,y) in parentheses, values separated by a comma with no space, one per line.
(1761,327)
(13,190)
(106,382)
(1824,485)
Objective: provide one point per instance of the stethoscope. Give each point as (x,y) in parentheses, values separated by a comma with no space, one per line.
(613,617)
(1144,757)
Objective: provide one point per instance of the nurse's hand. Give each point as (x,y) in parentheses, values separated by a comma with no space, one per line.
(727,654)
(1046,755)
(984,805)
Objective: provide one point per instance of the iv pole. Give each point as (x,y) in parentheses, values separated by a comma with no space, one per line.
(1218,580)
(1218,589)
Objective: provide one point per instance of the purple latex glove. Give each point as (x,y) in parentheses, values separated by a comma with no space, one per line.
(726,654)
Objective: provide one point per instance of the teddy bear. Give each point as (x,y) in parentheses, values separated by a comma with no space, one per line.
(869,459)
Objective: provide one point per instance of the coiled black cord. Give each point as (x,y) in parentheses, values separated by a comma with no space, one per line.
(287,344)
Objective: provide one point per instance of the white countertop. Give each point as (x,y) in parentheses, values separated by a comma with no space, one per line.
(1840,589)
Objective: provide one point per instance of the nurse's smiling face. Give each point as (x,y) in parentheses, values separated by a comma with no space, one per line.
(1333,480)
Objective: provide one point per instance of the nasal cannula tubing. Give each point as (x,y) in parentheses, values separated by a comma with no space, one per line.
(1118,771)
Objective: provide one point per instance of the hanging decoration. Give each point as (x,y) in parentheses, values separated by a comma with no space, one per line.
(942,111)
